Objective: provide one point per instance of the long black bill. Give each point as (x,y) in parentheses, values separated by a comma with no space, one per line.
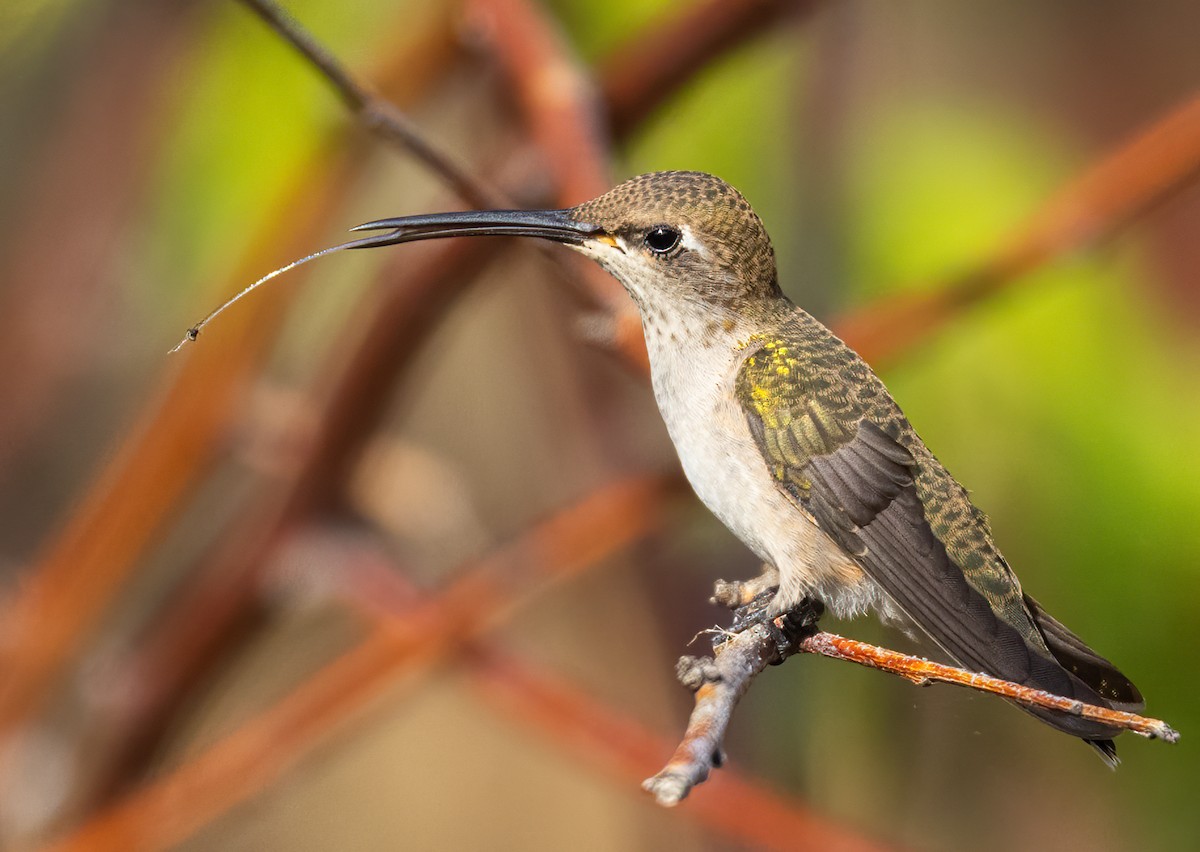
(556,225)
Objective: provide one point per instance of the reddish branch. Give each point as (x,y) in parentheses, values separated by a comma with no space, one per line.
(655,63)
(222,603)
(484,594)
(409,636)
(171,446)
(173,441)
(720,681)
(1122,186)
(923,672)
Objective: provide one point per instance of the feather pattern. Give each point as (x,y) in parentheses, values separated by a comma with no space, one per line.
(840,448)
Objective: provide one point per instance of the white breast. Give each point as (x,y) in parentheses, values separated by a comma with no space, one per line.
(693,373)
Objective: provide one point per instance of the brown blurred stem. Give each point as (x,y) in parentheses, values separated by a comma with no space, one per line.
(720,681)
(409,635)
(655,63)
(61,244)
(1128,182)
(198,626)
(483,594)
(170,446)
(377,114)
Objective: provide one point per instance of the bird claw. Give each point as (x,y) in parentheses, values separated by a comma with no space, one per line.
(786,629)
(755,611)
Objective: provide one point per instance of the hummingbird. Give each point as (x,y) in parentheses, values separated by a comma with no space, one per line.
(794,443)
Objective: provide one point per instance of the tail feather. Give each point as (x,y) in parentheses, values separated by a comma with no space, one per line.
(1107,749)
(1084,663)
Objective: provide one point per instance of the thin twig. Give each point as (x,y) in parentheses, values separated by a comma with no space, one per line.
(719,682)
(377,114)
(921,672)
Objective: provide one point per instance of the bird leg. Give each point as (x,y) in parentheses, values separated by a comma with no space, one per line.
(751,601)
(734,594)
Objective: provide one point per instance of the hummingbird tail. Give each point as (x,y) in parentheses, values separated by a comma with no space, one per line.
(1107,749)
(1085,664)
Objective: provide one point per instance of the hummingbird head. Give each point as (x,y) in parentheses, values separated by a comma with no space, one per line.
(666,236)
(670,236)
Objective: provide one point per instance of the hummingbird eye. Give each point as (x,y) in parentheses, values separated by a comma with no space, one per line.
(662,238)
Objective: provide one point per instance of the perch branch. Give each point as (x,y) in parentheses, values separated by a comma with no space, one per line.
(923,672)
(720,681)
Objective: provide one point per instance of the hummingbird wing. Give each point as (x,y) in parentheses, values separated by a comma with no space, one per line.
(838,446)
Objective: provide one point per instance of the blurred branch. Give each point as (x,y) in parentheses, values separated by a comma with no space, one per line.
(51,297)
(655,64)
(556,97)
(170,446)
(720,681)
(1118,189)
(129,504)
(560,107)
(171,808)
(377,114)
(201,623)
(222,602)
(410,637)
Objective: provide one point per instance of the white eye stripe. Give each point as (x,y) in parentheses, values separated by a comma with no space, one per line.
(690,242)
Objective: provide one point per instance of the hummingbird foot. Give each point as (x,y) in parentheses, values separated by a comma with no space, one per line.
(790,628)
(757,610)
(735,594)
(786,629)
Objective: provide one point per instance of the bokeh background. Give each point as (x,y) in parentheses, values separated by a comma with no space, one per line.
(397,556)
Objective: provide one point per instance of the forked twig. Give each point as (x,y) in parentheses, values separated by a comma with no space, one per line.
(720,681)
